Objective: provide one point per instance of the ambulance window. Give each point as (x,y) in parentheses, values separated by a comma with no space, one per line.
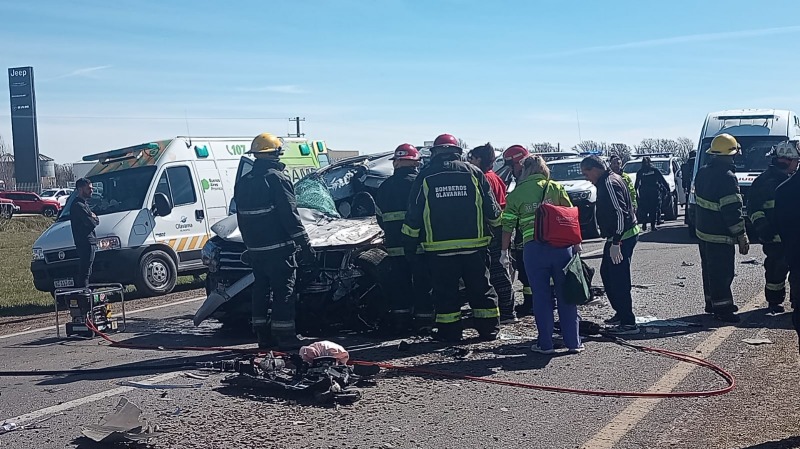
(181,185)
(323,160)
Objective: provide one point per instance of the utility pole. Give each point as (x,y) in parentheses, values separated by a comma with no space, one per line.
(297,120)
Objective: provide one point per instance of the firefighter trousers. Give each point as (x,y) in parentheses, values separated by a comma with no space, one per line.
(273,300)
(717,264)
(409,290)
(446,271)
(775,271)
(501,281)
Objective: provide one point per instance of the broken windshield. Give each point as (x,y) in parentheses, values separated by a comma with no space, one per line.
(312,193)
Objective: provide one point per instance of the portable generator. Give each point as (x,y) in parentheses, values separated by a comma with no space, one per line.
(90,305)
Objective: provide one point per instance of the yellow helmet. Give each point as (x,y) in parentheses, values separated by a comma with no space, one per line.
(724,145)
(266,143)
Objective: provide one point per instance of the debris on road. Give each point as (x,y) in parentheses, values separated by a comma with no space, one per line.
(125,424)
(643,286)
(456,352)
(652,321)
(8,427)
(687,264)
(196,376)
(757,341)
(680,277)
(130,383)
(751,262)
(678,284)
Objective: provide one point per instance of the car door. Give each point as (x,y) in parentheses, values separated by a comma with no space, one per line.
(184,229)
(26,202)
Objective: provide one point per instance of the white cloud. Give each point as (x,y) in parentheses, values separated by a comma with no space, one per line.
(87,71)
(281,89)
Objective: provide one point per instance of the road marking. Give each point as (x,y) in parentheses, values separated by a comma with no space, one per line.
(87,399)
(634,413)
(132,312)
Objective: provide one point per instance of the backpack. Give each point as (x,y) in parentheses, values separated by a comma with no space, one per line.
(558,226)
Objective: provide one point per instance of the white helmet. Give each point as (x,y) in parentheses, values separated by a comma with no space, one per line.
(787,150)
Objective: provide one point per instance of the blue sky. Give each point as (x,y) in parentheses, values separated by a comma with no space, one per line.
(369,75)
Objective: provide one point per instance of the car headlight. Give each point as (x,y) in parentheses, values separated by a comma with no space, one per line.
(38,254)
(210,255)
(107,243)
(580,195)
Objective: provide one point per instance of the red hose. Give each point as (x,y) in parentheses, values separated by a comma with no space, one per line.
(427,372)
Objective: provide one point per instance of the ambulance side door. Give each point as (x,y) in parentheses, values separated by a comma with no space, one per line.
(184,229)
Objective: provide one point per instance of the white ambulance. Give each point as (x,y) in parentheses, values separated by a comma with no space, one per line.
(156,203)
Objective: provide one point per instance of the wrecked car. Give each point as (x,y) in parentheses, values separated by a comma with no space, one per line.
(341,291)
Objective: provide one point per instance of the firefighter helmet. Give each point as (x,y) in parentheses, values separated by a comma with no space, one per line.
(514,154)
(266,143)
(446,143)
(787,150)
(406,152)
(724,145)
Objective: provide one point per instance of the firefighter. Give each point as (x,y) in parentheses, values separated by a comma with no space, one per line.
(410,283)
(273,233)
(687,172)
(615,164)
(452,211)
(649,185)
(513,157)
(787,219)
(483,158)
(760,206)
(719,226)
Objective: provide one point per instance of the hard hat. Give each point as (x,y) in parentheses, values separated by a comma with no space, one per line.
(406,152)
(515,154)
(446,143)
(724,145)
(266,143)
(786,150)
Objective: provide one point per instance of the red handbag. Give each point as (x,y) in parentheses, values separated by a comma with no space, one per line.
(558,226)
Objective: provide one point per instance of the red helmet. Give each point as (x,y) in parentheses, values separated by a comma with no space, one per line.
(446,143)
(515,154)
(406,152)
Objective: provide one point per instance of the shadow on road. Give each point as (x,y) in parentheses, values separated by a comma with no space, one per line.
(786,443)
(674,232)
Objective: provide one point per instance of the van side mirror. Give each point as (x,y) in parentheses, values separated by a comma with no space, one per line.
(161,205)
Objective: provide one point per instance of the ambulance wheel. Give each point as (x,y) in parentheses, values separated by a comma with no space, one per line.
(157,274)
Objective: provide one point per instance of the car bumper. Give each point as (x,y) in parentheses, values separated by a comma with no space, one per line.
(115,266)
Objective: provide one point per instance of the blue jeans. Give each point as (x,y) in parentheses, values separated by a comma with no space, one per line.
(543,262)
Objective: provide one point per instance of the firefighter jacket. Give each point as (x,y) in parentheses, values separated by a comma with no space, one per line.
(787,219)
(523,202)
(718,216)
(267,210)
(451,208)
(761,204)
(614,209)
(392,202)
(631,189)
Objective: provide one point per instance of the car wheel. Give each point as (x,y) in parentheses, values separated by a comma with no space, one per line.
(6,213)
(158,274)
(591,230)
(50,212)
(672,208)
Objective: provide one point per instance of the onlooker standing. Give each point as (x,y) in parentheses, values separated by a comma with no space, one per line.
(83,221)
(615,163)
(687,173)
(617,223)
(542,261)
(649,185)
(483,158)
(787,218)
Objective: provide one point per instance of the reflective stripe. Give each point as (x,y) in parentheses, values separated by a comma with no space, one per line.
(479,207)
(407,230)
(257,321)
(722,302)
(426,213)
(298,234)
(776,287)
(509,216)
(282,325)
(408,311)
(737,229)
(270,247)
(448,318)
(486,313)
(757,215)
(730,199)
(394,216)
(424,315)
(769,204)
(256,211)
(457,244)
(705,204)
(527,291)
(496,222)
(712,238)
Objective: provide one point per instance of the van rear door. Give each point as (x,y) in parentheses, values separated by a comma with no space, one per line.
(211,187)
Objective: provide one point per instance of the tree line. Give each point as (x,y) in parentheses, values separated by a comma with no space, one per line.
(679,147)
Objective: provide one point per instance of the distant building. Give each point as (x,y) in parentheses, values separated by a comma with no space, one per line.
(337,155)
(47,170)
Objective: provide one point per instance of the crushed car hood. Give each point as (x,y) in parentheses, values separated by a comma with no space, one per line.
(323,230)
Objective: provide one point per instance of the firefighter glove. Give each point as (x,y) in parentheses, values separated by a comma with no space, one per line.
(744,244)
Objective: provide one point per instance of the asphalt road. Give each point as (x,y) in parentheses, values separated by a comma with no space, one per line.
(403,411)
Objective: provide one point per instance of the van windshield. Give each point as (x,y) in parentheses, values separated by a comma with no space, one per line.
(754,152)
(117,191)
(635,166)
(566,171)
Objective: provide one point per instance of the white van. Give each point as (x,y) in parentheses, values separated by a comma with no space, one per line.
(757,131)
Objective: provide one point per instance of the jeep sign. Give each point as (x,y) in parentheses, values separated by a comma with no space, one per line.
(23,127)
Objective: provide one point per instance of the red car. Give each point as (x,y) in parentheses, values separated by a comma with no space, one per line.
(7,208)
(31,203)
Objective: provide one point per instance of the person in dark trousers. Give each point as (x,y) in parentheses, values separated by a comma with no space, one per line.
(483,158)
(617,223)
(273,233)
(83,221)
(410,284)
(761,207)
(650,184)
(787,220)
(719,226)
(687,173)
(512,157)
(452,212)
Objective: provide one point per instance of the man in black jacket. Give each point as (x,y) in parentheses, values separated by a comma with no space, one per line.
(687,173)
(272,231)
(452,211)
(409,289)
(761,207)
(650,184)
(787,219)
(617,222)
(83,221)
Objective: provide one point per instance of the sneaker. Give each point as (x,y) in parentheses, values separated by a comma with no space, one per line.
(623,329)
(729,317)
(577,350)
(509,320)
(775,309)
(613,321)
(535,348)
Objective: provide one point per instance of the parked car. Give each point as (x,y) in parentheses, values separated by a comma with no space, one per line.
(31,203)
(7,208)
(582,193)
(61,195)
(670,167)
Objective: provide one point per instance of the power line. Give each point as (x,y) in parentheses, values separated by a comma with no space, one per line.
(297,120)
(98,117)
